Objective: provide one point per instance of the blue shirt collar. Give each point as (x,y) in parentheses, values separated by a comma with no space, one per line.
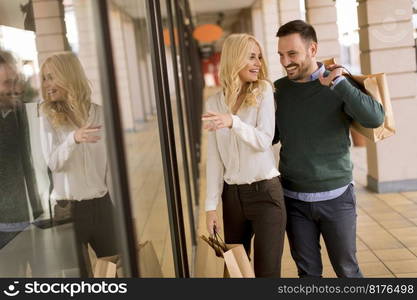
(315,75)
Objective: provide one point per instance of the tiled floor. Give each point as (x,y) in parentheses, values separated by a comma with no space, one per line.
(386,232)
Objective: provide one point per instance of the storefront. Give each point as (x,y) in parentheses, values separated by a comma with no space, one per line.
(144,70)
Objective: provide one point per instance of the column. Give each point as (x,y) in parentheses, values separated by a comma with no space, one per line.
(257,22)
(387,45)
(322,15)
(290,10)
(87,46)
(117,18)
(50,27)
(265,24)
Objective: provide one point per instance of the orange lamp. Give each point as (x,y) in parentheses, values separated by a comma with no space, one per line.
(207,33)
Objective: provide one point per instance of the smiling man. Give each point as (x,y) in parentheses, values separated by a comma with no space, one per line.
(315,108)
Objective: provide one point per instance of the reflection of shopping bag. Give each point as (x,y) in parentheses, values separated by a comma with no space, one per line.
(106,267)
(148,261)
(376,86)
(103,267)
(63,212)
(235,258)
(110,266)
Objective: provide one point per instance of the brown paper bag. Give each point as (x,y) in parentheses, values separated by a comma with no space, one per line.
(237,264)
(207,265)
(376,86)
(103,267)
(149,265)
(110,266)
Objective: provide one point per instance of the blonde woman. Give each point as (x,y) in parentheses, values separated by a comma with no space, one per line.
(76,154)
(241,169)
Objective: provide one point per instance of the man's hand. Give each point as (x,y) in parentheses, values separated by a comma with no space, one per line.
(335,71)
(217,121)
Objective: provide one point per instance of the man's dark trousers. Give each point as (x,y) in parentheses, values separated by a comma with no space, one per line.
(335,220)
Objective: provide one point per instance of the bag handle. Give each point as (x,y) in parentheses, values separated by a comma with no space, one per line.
(218,240)
(210,242)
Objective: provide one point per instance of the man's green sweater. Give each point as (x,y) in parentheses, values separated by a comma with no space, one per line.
(312,123)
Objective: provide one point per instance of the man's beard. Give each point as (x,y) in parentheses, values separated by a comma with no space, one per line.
(302,70)
(9,102)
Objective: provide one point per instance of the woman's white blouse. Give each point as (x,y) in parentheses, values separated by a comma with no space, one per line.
(242,154)
(78,170)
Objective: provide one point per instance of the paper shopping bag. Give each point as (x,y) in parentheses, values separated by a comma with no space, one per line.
(235,258)
(103,267)
(149,265)
(376,86)
(207,264)
(237,262)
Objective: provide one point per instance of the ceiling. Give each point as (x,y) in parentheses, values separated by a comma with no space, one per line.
(10,14)
(205,11)
(136,8)
(210,6)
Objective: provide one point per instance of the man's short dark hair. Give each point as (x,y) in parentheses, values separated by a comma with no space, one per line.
(305,30)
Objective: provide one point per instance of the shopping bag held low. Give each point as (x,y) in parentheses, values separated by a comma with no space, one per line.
(234,255)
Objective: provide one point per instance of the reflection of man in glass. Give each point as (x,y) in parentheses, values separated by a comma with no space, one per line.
(17,181)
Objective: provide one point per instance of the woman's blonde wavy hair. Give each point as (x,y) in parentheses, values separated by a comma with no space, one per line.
(68,74)
(236,52)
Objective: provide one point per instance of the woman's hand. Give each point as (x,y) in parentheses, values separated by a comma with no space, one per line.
(84,134)
(212,221)
(217,121)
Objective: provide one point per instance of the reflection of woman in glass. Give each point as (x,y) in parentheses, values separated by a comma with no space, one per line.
(75,153)
(240,162)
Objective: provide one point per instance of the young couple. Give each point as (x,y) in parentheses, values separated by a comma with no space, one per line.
(312,193)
